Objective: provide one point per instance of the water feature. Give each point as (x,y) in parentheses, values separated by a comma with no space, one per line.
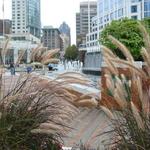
(77,67)
(93,61)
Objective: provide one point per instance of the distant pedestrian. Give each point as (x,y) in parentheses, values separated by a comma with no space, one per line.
(29,69)
(50,67)
(12,69)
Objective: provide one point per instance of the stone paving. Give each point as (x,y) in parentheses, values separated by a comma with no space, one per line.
(8,81)
(87,125)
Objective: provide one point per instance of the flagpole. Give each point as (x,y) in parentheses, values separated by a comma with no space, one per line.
(89,18)
(3,20)
(98,23)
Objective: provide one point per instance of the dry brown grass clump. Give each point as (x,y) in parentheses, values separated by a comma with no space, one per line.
(43,56)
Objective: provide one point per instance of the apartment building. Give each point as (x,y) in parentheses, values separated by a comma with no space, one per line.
(26,17)
(51,38)
(82,20)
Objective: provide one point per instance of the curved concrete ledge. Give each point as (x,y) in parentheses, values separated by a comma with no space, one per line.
(92,71)
(77,87)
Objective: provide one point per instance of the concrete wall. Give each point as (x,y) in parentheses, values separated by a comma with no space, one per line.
(92,61)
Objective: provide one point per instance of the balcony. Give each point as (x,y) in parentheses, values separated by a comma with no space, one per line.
(82,47)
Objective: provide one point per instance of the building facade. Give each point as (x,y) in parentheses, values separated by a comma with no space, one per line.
(26,17)
(65,41)
(108,10)
(65,35)
(7,26)
(51,38)
(82,20)
(17,44)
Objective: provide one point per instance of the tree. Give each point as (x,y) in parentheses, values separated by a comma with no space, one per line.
(71,53)
(128,33)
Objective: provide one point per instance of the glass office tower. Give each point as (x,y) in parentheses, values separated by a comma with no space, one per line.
(146,8)
(109,10)
(33,17)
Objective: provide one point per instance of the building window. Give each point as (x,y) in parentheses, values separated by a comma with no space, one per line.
(112,16)
(95,36)
(147,14)
(116,14)
(120,12)
(106,5)
(146,6)
(134,9)
(134,17)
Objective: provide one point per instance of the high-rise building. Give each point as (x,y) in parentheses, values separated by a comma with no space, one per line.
(26,17)
(51,38)
(65,29)
(65,35)
(7,26)
(82,20)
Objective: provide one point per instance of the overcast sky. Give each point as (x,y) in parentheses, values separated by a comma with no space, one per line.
(53,12)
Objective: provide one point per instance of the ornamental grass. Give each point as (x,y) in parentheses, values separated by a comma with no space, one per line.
(130,123)
(35,113)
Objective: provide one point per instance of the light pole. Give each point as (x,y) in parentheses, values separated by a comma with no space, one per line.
(3,9)
(3,19)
